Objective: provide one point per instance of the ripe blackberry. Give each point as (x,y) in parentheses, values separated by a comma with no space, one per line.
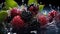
(26,15)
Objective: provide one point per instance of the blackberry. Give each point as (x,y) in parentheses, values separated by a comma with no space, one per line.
(26,15)
(34,26)
(34,22)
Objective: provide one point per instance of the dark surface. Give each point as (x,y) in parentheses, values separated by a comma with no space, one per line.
(53,2)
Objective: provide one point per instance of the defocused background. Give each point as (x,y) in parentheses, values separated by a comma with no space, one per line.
(53,2)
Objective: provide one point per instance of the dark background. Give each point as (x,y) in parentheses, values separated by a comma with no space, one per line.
(46,2)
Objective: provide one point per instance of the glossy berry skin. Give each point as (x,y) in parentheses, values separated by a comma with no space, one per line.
(57,18)
(17,22)
(53,13)
(34,9)
(26,16)
(42,20)
(31,8)
(15,12)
